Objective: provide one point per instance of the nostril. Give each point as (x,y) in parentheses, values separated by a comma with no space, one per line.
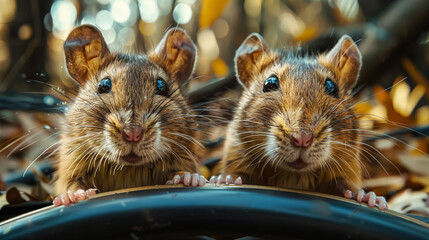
(304,139)
(307,140)
(295,142)
(138,134)
(132,134)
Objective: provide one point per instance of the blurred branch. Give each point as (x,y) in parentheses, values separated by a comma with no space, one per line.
(5,83)
(417,132)
(207,90)
(395,30)
(31,102)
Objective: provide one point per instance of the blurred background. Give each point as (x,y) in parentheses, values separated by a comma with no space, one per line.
(392,93)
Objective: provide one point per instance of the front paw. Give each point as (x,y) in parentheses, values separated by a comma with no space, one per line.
(188,179)
(228,179)
(370,198)
(73,197)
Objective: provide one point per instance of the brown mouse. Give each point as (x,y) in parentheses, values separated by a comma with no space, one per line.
(295,126)
(130,124)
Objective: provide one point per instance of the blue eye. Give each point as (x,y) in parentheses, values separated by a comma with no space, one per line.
(104,86)
(271,84)
(331,88)
(161,87)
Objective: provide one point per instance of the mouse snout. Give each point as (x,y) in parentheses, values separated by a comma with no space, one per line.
(303,138)
(132,134)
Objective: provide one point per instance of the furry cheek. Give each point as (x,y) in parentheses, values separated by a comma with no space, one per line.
(271,146)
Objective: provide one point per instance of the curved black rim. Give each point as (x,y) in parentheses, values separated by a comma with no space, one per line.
(224,212)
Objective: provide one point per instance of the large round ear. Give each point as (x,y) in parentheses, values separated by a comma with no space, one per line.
(345,59)
(176,54)
(247,57)
(85,50)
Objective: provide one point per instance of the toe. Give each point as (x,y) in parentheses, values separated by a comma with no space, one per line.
(194,179)
(348,194)
(65,199)
(360,195)
(80,194)
(187,179)
(57,201)
(371,199)
(220,179)
(176,179)
(71,196)
(213,179)
(202,181)
(91,192)
(382,204)
(228,179)
(238,181)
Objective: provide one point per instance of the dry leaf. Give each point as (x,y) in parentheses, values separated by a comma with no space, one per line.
(408,201)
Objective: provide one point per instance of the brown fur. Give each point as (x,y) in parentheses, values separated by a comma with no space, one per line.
(91,139)
(258,147)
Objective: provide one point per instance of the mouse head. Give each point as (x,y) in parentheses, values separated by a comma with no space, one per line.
(130,109)
(297,111)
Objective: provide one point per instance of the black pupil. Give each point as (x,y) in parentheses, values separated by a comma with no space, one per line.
(331,88)
(271,84)
(161,87)
(104,86)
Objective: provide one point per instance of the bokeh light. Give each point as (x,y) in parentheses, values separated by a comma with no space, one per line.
(88,19)
(290,24)
(25,32)
(164,6)
(109,35)
(147,29)
(126,36)
(4,55)
(182,13)
(221,28)
(120,11)
(4,51)
(7,10)
(208,44)
(104,19)
(63,15)
(252,7)
(148,10)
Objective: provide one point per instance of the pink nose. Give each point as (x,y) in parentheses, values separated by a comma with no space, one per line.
(132,134)
(303,139)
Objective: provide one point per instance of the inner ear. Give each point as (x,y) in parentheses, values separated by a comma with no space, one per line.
(249,58)
(176,54)
(85,51)
(345,59)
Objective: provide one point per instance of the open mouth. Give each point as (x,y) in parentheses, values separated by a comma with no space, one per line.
(298,164)
(132,158)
